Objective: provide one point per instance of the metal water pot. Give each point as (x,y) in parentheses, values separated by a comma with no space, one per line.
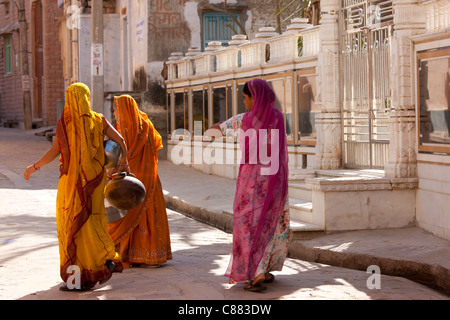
(125,191)
(113,152)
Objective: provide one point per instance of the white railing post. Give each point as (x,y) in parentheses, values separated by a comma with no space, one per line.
(172,65)
(268,47)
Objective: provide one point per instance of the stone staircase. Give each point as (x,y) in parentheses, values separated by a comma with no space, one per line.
(346,199)
(303,223)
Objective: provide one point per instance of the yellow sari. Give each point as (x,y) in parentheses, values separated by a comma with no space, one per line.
(80,214)
(142,236)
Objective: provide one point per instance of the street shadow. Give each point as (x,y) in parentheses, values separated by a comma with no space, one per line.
(16,229)
(196,272)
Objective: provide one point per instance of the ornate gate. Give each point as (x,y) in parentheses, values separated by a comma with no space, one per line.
(366,28)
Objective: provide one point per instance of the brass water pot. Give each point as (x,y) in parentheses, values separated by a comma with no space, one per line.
(125,191)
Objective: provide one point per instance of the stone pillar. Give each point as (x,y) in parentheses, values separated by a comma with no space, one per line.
(190,56)
(328,123)
(409,20)
(329,141)
(402,162)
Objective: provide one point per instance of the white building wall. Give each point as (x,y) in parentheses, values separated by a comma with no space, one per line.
(433,170)
(138,24)
(433,195)
(111,56)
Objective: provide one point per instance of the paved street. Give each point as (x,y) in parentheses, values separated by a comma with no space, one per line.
(29,259)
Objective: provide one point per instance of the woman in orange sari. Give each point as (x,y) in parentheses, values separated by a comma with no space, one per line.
(142,236)
(84,242)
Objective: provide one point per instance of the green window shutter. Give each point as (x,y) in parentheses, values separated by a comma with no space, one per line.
(216,27)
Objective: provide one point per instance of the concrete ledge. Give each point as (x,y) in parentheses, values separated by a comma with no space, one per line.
(408,252)
(346,184)
(358,203)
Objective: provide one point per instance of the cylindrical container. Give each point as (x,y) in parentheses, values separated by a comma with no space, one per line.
(113,152)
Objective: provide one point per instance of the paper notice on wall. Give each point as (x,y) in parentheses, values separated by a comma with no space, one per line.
(26,83)
(97,59)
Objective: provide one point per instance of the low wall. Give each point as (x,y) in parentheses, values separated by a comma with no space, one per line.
(363,203)
(222,157)
(433,194)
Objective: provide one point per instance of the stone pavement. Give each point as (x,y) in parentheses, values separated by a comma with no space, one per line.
(29,258)
(408,252)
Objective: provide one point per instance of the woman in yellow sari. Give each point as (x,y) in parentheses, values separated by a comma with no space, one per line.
(81,222)
(142,236)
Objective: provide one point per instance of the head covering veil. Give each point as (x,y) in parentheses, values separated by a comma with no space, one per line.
(81,219)
(263,119)
(143,142)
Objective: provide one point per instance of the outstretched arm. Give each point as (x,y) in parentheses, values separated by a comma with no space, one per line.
(214,131)
(48,157)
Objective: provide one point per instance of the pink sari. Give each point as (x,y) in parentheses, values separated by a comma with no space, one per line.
(260,198)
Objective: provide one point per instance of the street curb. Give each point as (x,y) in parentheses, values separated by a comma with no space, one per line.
(435,276)
(219,219)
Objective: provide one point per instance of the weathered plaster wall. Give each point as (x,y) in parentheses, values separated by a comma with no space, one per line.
(160,27)
(110,53)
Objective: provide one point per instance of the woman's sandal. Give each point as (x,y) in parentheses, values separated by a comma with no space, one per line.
(64,287)
(271,279)
(110,265)
(255,287)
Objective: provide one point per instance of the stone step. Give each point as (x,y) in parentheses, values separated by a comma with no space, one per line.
(300,209)
(300,174)
(298,190)
(302,230)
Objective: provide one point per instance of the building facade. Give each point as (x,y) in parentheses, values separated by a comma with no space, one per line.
(365,95)
(139,35)
(40,73)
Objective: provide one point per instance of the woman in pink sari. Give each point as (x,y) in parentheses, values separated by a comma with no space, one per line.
(261,217)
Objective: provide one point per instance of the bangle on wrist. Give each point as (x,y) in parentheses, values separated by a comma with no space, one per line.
(34,166)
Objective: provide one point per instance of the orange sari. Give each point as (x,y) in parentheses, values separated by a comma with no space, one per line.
(142,236)
(80,211)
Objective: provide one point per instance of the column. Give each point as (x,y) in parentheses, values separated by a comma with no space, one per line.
(409,19)
(328,123)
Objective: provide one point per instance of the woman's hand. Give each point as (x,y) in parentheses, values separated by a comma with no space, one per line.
(28,171)
(122,167)
(49,156)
